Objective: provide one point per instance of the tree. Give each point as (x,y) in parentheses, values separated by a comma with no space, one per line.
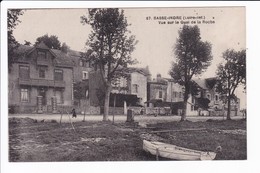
(80,91)
(12,22)
(65,48)
(27,43)
(111,44)
(51,41)
(231,74)
(193,57)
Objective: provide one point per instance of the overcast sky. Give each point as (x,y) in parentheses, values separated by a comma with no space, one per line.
(156,41)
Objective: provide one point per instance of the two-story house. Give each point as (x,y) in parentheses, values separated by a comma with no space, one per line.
(40,80)
(134,83)
(216,105)
(156,91)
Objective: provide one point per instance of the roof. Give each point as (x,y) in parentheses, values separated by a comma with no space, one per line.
(207,83)
(143,71)
(23,49)
(61,58)
(41,45)
(201,83)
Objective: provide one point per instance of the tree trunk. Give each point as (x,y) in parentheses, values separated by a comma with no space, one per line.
(106,104)
(184,111)
(228,110)
(185,100)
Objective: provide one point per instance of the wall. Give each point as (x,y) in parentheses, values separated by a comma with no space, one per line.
(173,88)
(141,81)
(154,89)
(14,94)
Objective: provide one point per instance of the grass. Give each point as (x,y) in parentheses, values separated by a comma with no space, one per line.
(31,141)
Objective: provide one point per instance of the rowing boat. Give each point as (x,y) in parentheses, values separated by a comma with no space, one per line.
(176,153)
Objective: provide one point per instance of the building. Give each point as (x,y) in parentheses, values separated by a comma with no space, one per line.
(131,88)
(40,80)
(174,91)
(216,104)
(156,91)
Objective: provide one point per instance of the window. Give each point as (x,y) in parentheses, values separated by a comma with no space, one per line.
(135,88)
(59,96)
(216,98)
(160,94)
(58,74)
(180,95)
(41,72)
(175,94)
(84,75)
(24,95)
(81,63)
(42,92)
(24,72)
(41,54)
(208,96)
(87,64)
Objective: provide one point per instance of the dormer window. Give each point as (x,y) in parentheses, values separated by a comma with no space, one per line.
(41,54)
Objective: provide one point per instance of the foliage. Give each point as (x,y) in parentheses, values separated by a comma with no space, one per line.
(193,56)
(203,103)
(12,22)
(80,89)
(51,41)
(111,45)
(65,48)
(27,43)
(231,74)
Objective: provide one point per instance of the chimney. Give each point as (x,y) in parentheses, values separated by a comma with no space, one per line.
(158,77)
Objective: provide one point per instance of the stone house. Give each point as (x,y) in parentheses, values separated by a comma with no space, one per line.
(134,83)
(40,80)
(156,91)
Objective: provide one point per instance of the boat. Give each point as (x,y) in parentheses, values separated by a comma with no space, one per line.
(174,152)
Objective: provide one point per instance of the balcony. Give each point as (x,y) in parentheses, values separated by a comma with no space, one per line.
(42,82)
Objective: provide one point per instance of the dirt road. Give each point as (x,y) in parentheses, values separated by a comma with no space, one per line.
(147,119)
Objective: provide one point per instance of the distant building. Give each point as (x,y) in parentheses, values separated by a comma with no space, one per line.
(40,76)
(216,101)
(134,83)
(156,91)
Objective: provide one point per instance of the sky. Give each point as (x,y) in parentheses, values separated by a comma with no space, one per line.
(226,30)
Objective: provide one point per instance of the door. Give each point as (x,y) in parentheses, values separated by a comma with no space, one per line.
(42,92)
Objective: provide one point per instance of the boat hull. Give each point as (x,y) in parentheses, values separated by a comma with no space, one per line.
(176,153)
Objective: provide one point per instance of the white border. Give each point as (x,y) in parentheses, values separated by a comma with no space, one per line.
(253,56)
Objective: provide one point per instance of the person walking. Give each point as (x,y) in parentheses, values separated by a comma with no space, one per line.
(74,115)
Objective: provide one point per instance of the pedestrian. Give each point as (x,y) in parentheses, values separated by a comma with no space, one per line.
(74,113)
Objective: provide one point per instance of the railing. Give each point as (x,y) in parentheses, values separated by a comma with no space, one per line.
(41,82)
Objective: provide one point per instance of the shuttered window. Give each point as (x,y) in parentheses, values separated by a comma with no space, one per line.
(24,95)
(58,75)
(24,72)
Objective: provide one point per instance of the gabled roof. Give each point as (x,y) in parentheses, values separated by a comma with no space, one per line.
(201,83)
(41,45)
(143,71)
(61,58)
(23,49)
(207,83)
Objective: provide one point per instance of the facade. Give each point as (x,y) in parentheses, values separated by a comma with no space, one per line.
(174,91)
(156,91)
(40,76)
(133,84)
(216,105)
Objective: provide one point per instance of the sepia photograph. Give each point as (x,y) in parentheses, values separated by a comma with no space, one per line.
(142,84)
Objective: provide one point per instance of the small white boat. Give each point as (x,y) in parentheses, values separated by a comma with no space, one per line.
(175,152)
